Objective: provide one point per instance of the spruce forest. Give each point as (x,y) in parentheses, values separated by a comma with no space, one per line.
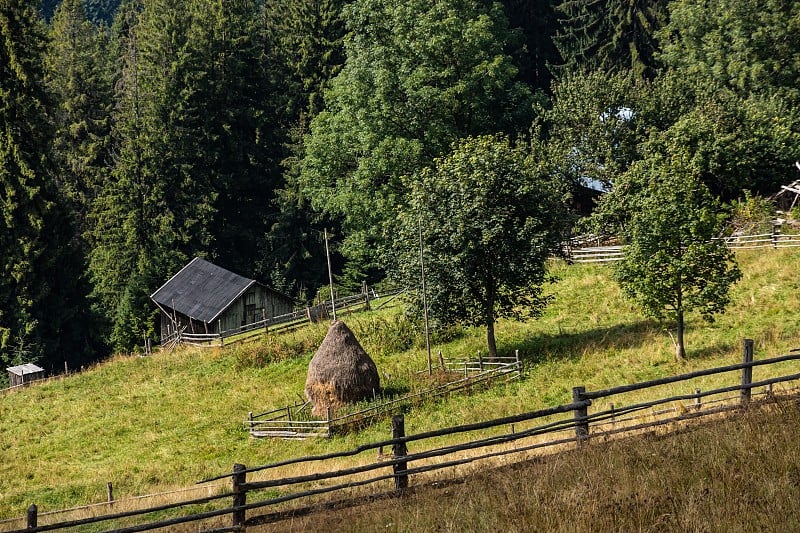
(135,136)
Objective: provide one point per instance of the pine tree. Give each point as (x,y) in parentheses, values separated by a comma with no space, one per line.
(194,167)
(146,220)
(77,74)
(610,35)
(42,304)
(305,50)
(538,22)
(233,143)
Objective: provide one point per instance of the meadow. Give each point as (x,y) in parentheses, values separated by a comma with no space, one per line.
(163,422)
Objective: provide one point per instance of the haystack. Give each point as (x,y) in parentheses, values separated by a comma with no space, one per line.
(340,372)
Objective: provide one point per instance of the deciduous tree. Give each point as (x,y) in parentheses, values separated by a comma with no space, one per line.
(418,76)
(675,261)
(489,219)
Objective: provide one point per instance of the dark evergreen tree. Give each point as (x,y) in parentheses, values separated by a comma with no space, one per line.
(304,48)
(150,216)
(100,12)
(232,142)
(610,35)
(195,167)
(538,22)
(42,288)
(79,77)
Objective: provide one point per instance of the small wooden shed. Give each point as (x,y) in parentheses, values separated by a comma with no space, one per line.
(19,375)
(205,298)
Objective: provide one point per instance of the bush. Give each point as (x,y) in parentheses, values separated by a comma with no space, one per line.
(752,216)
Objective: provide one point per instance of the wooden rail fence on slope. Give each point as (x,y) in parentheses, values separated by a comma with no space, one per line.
(294,422)
(277,323)
(580,253)
(561,425)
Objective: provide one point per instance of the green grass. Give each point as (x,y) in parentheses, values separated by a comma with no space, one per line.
(166,421)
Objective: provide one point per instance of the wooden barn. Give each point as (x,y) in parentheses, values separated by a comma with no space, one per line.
(19,375)
(204,298)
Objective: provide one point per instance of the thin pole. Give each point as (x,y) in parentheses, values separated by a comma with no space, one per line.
(330,274)
(425,300)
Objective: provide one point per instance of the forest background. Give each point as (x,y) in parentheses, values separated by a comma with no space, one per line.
(136,136)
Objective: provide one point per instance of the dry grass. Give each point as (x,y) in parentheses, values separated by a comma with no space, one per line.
(738,473)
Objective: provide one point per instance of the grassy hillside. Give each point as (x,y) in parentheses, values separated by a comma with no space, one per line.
(740,473)
(166,421)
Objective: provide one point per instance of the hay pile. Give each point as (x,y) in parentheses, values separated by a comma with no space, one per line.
(340,372)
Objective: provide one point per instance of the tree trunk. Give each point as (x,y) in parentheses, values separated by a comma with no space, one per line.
(680,350)
(490,341)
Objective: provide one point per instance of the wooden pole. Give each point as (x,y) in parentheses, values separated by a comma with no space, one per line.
(110,492)
(747,372)
(239,495)
(330,274)
(581,423)
(399,450)
(424,299)
(32,518)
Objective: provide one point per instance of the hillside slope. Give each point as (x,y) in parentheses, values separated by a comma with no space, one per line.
(740,473)
(166,421)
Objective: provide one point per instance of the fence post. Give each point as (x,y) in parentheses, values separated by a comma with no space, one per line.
(698,402)
(239,494)
(110,492)
(747,372)
(399,450)
(32,518)
(581,414)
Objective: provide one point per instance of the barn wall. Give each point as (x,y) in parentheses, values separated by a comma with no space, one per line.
(256,304)
(16,380)
(192,326)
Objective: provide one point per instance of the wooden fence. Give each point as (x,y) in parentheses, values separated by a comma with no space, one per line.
(274,324)
(608,254)
(568,424)
(294,422)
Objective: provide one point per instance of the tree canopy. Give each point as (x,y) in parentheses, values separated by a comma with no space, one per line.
(239,130)
(487,219)
(675,261)
(419,75)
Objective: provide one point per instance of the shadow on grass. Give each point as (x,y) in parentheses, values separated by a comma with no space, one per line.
(716,350)
(540,348)
(568,346)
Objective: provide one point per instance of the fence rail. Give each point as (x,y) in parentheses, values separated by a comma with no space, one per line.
(276,323)
(571,423)
(578,253)
(286,422)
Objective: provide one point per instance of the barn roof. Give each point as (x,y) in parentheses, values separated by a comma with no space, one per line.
(201,290)
(27,368)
